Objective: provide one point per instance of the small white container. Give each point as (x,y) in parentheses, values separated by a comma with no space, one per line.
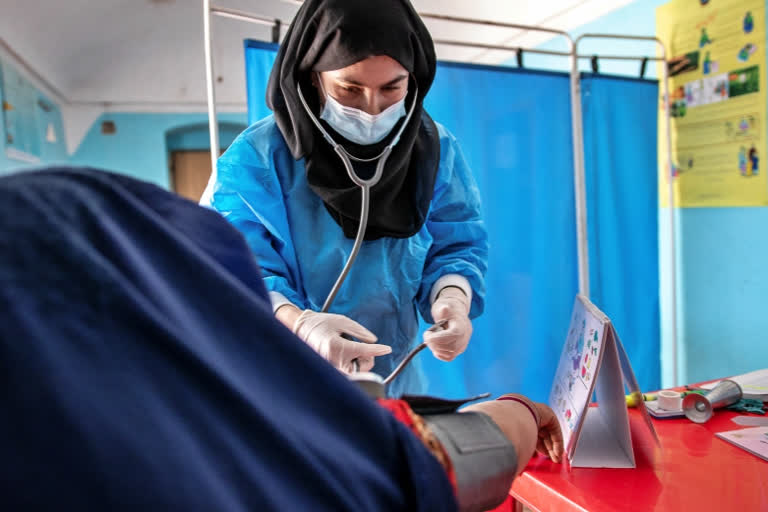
(670,400)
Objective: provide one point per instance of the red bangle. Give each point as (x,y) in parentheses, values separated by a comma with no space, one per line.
(525,403)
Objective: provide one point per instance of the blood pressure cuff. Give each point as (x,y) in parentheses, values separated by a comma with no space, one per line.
(483,459)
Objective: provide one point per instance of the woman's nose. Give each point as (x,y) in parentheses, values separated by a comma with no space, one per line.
(373,103)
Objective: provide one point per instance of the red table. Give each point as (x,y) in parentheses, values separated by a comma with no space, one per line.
(691,470)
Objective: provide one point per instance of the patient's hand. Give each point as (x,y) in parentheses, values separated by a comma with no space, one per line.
(550,441)
(528,425)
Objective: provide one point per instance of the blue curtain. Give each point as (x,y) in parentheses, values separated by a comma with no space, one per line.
(514,127)
(620,138)
(259,58)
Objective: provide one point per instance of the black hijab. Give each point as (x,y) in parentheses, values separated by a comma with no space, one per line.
(331,34)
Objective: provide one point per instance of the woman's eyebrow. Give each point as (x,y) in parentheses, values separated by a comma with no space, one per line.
(396,80)
(355,82)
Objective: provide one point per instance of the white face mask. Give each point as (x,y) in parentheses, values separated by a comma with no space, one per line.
(359,126)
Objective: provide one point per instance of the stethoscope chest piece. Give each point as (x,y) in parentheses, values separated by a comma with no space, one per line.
(371,383)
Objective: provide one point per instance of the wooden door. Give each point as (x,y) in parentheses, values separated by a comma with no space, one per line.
(190,171)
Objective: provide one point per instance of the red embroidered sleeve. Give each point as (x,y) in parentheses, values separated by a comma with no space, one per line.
(403,413)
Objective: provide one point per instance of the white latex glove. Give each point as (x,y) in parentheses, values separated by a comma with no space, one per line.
(452,307)
(323,332)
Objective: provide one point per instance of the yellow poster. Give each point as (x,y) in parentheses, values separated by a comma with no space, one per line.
(717,100)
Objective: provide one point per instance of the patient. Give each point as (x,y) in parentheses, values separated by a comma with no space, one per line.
(143,369)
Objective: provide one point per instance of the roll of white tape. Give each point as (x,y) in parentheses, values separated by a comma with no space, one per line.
(670,400)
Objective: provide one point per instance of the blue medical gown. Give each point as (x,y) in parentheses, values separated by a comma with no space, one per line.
(264,192)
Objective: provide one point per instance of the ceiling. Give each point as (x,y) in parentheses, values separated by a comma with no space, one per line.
(148,54)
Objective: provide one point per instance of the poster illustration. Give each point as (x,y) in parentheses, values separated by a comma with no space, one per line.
(717,102)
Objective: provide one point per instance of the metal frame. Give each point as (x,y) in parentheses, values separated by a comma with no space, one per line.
(210,10)
(213,125)
(581,230)
(577,134)
(670,178)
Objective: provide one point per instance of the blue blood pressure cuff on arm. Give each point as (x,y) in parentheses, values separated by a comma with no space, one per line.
(483,459)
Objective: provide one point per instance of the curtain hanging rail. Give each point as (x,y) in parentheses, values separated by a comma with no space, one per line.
(246,16)
(582,250)
(235,14)
(491,23)
(619,57)
(264,20)
(579,189)
(577,135)
(620,36)
(539,51)
(461,19)
(487,46)
(664,82)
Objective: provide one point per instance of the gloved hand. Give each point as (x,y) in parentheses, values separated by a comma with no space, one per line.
(323,332)
(452,307)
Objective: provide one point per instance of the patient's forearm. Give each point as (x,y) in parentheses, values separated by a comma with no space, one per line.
(516,422)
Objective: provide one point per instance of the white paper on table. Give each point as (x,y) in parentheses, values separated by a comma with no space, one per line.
(753,384)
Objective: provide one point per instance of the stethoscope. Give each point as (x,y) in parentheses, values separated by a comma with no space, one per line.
(365,187)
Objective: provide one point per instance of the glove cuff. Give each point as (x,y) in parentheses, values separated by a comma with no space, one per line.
(300,321)
(451,292)
(447,280)
(278,300)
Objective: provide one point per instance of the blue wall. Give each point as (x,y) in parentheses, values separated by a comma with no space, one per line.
(141,146)
(139,149)
(196,137)
(722,278)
